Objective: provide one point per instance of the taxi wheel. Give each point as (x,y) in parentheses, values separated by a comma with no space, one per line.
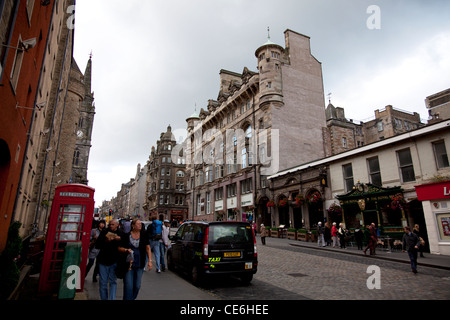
(196,276)
(247,278)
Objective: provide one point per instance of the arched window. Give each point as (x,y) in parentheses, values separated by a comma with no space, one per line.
(76,157)
(180,173)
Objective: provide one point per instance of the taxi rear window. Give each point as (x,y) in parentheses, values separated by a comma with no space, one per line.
(222,234)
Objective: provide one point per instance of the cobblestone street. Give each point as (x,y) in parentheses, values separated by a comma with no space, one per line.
(325,275)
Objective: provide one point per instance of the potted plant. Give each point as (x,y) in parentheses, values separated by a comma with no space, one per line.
(302,235)
(292,233)
(313,235)
(274,233)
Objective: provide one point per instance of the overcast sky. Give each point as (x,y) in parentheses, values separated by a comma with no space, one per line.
(154,60)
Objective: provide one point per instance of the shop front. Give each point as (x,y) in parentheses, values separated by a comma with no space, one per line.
(435,198)
(367,204)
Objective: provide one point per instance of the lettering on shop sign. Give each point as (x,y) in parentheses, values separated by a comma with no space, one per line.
(446,193)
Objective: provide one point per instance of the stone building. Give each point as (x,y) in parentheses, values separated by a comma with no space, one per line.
(438,106)
(166,181)
(51,136)
(344,134)
(261,122)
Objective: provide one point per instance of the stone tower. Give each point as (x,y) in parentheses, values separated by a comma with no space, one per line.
(84,130)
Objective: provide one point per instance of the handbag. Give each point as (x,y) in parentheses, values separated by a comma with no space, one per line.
(122,265)
(422,242)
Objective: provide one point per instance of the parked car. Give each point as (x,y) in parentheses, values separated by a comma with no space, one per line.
(205,249)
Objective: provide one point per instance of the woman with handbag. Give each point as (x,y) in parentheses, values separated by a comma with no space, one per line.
(136,245)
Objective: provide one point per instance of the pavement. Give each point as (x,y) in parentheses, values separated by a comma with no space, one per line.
(429,260)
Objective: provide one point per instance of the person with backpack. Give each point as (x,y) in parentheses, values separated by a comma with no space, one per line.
(154,231)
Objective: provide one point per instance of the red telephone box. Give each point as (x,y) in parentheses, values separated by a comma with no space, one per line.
(70,222)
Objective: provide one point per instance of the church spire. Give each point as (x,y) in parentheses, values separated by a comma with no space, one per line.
(88,76)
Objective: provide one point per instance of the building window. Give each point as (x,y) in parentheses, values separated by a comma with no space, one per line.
(440,152)
(15,72)
(76,157)
(218,194)
(161,199)
(179,185)
(208,202)
(219,171)
(374,171)
(161,186)
(263,182)
(209,174)
(348,177)
(344,142)
(199,205)
(246,186)
(180,173)
(406,165)
(244,158)
(231,190)
(380,126)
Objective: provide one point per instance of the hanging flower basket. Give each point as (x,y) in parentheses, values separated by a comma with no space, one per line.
(250,208)
(299,201)
(270,204)
(398,201)
(314,197)
(335,209)
(282,203)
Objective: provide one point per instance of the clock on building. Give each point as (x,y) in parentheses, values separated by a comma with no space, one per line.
(80,134)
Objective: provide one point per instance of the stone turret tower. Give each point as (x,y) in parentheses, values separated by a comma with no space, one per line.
(84,130)
(270,57)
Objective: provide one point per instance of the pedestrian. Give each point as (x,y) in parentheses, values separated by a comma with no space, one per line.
(342,234)
(154,232)
(327,234)
(126,225)
(166,242)
(373,239)
(136,244)
(334,234)
(359,235)
(422,242)
(263,232)
(108,243)
(93,251)
(410,244)
(320,235)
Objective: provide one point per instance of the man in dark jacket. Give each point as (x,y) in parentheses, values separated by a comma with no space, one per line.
(411,245)
(108,243)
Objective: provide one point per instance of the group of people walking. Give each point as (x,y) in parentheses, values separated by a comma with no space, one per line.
(124,252)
